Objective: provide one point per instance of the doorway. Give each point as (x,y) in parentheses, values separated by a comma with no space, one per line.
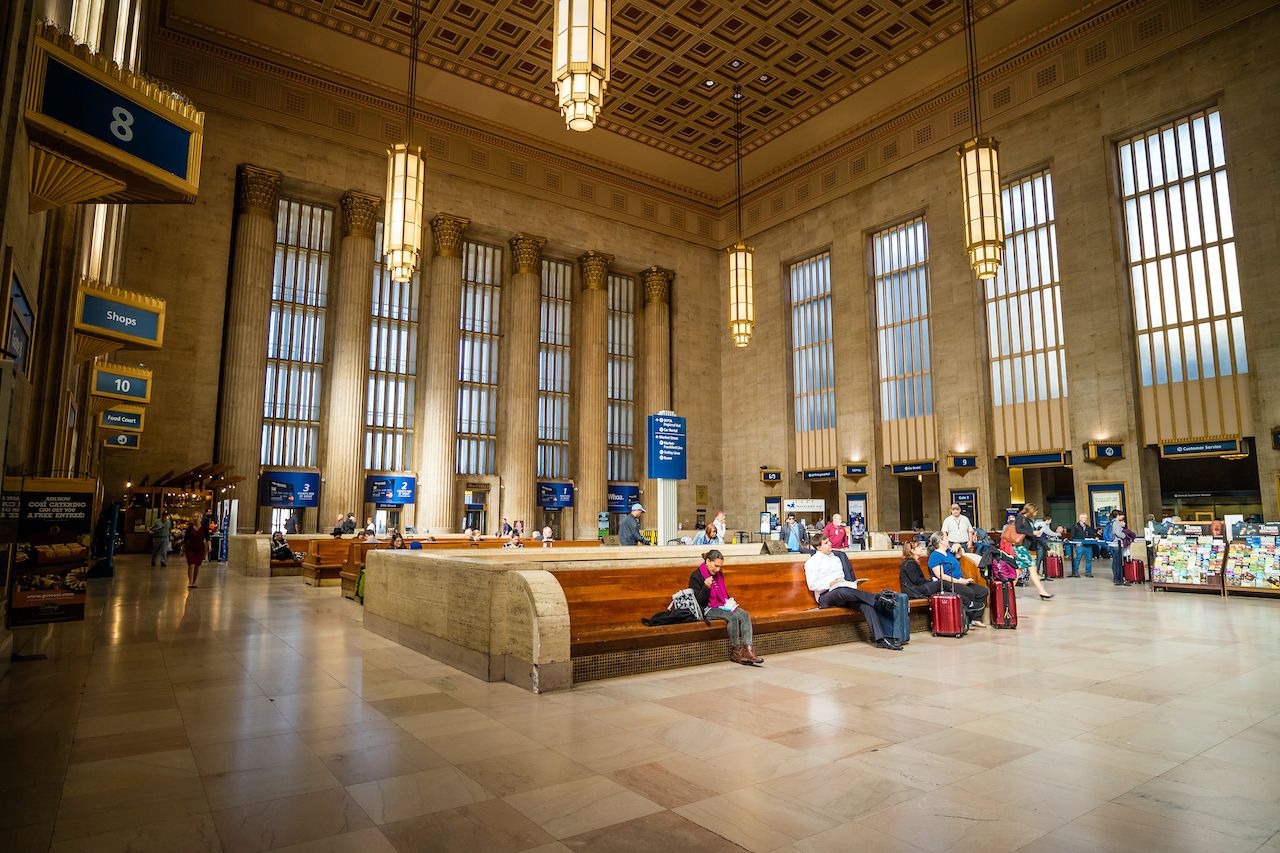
(475,506)
(552,518)
(911,502)
(385,520)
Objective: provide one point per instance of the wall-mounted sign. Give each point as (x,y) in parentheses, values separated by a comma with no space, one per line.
(1217,446)
(290,488)
(1039,459)
(819,474)
(123,418)
(961,462)
(967,500)
(905,469)
(666,459)
(555,495)
(856,470)
(622,496)
(1103,452)
(1103,498)
(19,316)
(123,441)
(701,496)
(120,134)
(855,506)
(387,490)
(809,505)
(118,315)
(773,506)
(770,475)
(121,382)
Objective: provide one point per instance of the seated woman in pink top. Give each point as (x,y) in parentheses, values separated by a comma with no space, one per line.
(836,532)
(707,583)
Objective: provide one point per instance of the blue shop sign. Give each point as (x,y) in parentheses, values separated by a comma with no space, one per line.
(555,495)
(389,491)
(125,440)
(129,420)
(666,458)
(1033,460)
(858,469)
(84,104)
(820,474)
(622,497)
(962,462)
(290,488)
(1192,449)
(771,476)
(904,468)
(118,320)
(108,382)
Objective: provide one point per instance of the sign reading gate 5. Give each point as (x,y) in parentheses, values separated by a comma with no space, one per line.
(122,383)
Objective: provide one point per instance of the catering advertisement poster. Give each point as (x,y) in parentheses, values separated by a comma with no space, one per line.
(51,552)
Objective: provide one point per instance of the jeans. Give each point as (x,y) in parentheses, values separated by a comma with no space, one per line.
(159,549)
(738,622)
(1117,564)
(843,596)
(1078,551)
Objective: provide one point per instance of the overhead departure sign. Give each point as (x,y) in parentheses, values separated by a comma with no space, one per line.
(123,418)
(555,495)
(121,382)
(117,315)
(389,490)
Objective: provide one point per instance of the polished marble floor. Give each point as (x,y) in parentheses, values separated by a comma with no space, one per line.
(250,715)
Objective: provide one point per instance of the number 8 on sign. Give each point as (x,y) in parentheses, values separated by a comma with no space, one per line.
(122,127)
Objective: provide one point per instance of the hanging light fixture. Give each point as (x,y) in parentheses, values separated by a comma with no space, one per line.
(980,177)
(406,185)
(742,305)
(580,59)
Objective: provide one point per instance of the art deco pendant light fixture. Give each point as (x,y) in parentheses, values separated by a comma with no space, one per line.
(742,306)
(980,177)
(580,59)
(406,185)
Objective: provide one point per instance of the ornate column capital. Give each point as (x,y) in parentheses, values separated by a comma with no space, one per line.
(595,269)
(446,234)
(657,285)
(359,213)
(257,190)
(528,252)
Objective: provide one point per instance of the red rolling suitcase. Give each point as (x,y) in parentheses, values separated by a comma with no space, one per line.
(1053,566)
(948,615)
(1135,571)
(1004,607)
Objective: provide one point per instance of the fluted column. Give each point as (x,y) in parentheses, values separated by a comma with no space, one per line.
(592,390)
(348,329)
(657,357)
(438,380)
(518,438)
(244,354)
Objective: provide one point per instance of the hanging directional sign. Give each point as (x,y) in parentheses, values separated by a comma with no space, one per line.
(123,441)
(121,382)
(123,418)
(118,315)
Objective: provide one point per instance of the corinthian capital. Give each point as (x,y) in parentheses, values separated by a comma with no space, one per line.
(257,190)
(446,234)
(657,285)
(528,252)
(359,214)
(595,270)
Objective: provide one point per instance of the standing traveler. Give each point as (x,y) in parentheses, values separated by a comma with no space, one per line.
(194,549)
(1077,534)
(629,527)
(1117,534)
(858,532)
(958,529)
(161,533)
(708,585)
(790,533)
(835,531)
(824,575)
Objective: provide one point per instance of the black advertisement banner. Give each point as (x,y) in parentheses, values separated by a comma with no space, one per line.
(54,526)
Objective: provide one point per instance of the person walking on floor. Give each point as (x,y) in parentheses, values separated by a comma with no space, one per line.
(824,575)
(194,549)
(708,585)
(161,533)
(629,527)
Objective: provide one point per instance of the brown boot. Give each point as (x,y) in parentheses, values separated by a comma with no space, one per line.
(751,654)
(737,655)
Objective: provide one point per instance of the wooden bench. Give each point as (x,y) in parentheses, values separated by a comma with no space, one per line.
(608,639)
(323,563)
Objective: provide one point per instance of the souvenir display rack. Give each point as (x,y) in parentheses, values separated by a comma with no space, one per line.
(1253,561)
(1189,558)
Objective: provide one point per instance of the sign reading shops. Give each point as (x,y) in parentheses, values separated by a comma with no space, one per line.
(124,418)
(666,457)
(117,315)
(389,491)
(290,488)
(621,497)
(555,495)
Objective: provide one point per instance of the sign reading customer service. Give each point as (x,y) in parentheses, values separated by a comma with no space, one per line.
(123,418)
(555,495)
(389,490)
(290,488)
(666,456)
(1194,449)
(121,382)
(117,315)
(621,497)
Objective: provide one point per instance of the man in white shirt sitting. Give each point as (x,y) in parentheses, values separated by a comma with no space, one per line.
(824,575)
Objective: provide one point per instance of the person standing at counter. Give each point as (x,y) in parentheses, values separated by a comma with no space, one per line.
(629,527)
(1077,534)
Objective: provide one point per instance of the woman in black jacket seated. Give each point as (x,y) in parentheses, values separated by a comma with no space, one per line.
(910,576)
(707,583)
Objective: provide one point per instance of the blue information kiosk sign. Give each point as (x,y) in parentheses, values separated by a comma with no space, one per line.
(666,458)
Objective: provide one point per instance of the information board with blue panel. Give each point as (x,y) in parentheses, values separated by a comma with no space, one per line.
(387,490)
(121,382)
(291,488)
(123,418)
(770,475)
(967,500)
(622,496)
(961,462)
(903,469)
(123,441)
(555,495)
(1039,459)
(1199,449)
(855,470)
(116,315)
(666,458)
(819,474)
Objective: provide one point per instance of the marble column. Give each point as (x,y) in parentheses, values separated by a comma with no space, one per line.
(346,370)
(518,433)
(656,375)
(438,382)
(592,389)
(244,353)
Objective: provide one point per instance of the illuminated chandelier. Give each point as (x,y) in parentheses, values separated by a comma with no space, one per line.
(980,178)
(580,59)
(406,185)
(742,305)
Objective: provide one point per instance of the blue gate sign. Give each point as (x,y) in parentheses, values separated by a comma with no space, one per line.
(387,490)
(122,383)
(666,458)
(124,418)
(290,488)
(622,497)
(130,318)
(555,495)
(124,441)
